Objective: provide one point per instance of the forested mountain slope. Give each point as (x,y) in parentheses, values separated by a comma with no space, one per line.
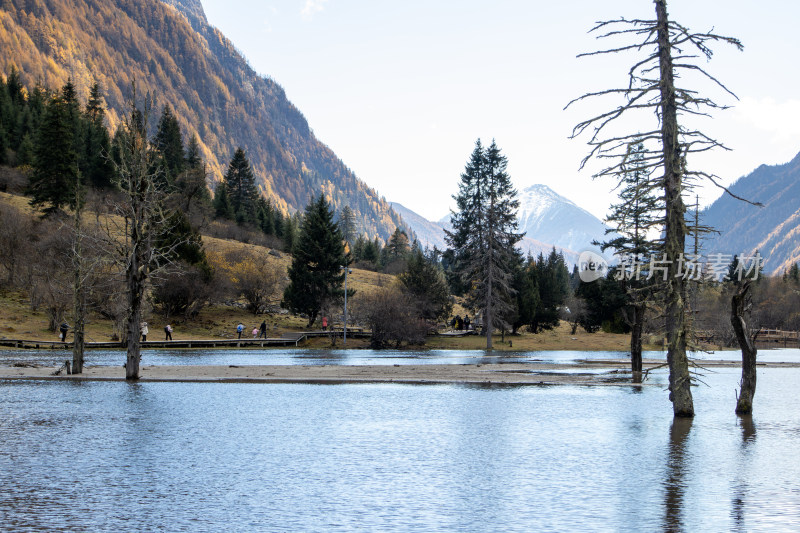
(169,50)
(773,230)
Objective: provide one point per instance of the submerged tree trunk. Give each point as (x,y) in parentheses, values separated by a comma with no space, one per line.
(636,342)
(744,402)
(79,297)
(675,228)
(133,327)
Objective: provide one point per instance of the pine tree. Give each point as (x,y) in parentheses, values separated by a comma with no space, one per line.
(222,202)
(169,143)
(551,277)
(194,158)
(240,183)
(640,211)
(397,247)
(484,236)
(99,168)
(426,282)
(347,221)
(316,274)
(266,217)
(55,172)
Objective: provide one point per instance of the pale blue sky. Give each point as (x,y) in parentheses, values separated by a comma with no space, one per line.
(401,90)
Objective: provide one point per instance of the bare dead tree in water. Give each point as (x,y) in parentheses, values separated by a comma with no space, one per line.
(137,233)
(671,49)
(740,303)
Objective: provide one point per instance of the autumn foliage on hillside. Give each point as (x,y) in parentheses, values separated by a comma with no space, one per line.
(214,93)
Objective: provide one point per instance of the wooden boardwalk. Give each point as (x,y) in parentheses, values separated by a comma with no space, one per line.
(779,337)
(287,339)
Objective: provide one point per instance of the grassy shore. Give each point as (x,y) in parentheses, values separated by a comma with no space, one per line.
(19,321)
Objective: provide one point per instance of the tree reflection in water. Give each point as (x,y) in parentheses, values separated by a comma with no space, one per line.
(740,487)
(674,483)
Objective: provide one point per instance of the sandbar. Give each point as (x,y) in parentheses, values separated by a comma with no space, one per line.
(587,372)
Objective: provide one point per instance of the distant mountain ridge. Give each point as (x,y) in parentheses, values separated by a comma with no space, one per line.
(551,218)
(171,51)
(429,233)
(547,218)
(773,230)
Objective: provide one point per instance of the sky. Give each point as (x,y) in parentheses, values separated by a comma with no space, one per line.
(402,90)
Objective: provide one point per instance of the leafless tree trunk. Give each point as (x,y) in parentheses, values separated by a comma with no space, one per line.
(675,230)
(145,222)
(79,295)
(637,325)
(651,88)
(744,401)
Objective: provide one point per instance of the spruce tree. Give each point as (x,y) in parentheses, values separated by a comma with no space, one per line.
(347,221)
(99,168)
(194,158)
(169,143)
(55,172)
(426,282)
(241,188)
(222,202)
(484,236)
(640,211)
(316,274)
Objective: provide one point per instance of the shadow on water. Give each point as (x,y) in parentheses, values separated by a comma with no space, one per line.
(675,482)
(740,486)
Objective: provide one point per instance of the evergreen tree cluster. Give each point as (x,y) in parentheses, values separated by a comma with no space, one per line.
(542,287)
(238,199)
(68,145)
(21,112)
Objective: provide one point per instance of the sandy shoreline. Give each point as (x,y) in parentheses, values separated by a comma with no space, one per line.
(594,372)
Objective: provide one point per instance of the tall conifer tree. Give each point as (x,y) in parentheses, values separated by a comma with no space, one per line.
(316,274)
(169,143)
(240,185)
(55,174)
(484,236)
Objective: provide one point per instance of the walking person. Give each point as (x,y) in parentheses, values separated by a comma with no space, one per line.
(64,328)
(240,329)
(262,332)
(144,331)
(168,332)
(324,323)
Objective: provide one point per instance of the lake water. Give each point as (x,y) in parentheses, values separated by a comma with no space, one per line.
(109,456)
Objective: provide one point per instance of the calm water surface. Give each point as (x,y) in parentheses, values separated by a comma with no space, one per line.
(295,356)
(265,457)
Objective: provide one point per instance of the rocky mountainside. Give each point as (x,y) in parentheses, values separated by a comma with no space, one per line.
(773,230)
(170,51)
(429,233)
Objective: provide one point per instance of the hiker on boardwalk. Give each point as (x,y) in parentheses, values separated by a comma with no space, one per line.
(255,333)
(64,328)
(144,330)
(240,329)
(324,323)
(466,322)
(262,332)
(168,332)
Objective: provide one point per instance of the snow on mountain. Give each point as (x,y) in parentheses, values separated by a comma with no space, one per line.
(547,218)
(551,218)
